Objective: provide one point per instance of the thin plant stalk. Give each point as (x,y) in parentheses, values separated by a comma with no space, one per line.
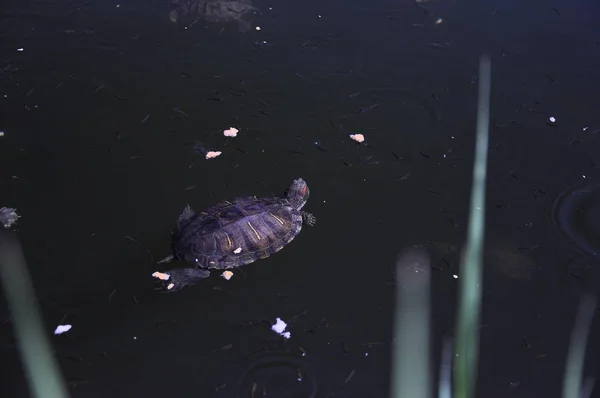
(411,368)
(468,316)
(572,384)
(41,367)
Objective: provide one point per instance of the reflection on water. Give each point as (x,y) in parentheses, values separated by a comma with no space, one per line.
(576,214)
(219,11)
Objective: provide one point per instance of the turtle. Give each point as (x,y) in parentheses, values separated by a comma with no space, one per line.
(235,233)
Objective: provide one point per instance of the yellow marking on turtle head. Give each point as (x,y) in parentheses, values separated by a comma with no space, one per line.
(257,235)
(277,218)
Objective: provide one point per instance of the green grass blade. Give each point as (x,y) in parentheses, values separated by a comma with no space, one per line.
(467,339)
(411,368)
(42,370)
(572,384)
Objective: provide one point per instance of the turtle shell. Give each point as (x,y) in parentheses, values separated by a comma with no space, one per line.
(235,233)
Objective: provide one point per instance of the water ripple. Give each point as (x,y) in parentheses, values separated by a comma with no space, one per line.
(278,374)
(576,215)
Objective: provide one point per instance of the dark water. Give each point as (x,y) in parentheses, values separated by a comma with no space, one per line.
(101,111)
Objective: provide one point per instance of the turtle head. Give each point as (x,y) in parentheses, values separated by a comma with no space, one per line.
(298,193)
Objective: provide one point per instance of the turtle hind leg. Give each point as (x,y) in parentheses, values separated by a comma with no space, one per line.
(308,218)
(182,277)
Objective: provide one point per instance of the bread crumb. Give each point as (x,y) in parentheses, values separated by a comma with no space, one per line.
(161,276)
(357,137)
(227,275)
(212,154)
(230,132)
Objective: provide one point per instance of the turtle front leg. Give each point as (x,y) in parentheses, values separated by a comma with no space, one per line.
(308,218)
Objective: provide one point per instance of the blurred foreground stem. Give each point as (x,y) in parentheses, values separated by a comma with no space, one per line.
(572,383)
(467,339)
(42,370)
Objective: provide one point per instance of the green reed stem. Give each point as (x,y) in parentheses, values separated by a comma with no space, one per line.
(572,383)
(42,370)
(467,339)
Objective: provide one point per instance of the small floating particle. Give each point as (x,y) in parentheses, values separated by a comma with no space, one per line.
(257,28)
(552,119)
(238,250)
(60,329)
(212,154)
(320,147)
(161,276)
(279,328)
(1,133)
(230,132)
(20,49)
(439,21)
(227,275)
(171,285)
(357,137)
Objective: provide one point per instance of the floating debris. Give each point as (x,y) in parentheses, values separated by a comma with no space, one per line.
(320,147)
(227,275)
(1,133)
(180,112)
(8,216)
(216,11)
(440,44)
(173,16)
(279,328)
(238,250)
(60,329)
(263,44)
(171,286)
(161,276)
(212,154)
(367,108)
(231,132)
(357,137)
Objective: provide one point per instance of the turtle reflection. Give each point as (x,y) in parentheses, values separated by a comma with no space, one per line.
(219,11)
